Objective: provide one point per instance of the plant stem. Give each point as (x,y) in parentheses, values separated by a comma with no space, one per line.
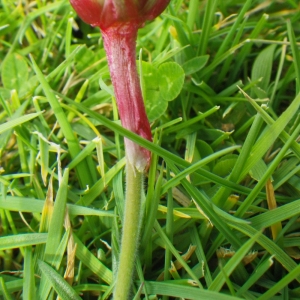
(131,232)
(119,43)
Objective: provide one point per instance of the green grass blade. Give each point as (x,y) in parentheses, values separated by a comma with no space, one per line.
(257,273)
(224,193)
(241,57)
(284,136)
(56,225)
(295,51)
(195,238)
(22,240)
(63,289)
(229,37)
(194,167)
(207,26)
(24,204)
(29,280)
(12,286)
(89,259)
(171,248)
(18,121)
(279,254)
(284,282)
(276,215)
(193,12)
(209,209)
(270,135)
(100,185)
(176,290)
(45,285)
(5,290)
(219,280)
(268,173)
(151,211)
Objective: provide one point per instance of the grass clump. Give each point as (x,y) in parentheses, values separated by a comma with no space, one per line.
(219,80)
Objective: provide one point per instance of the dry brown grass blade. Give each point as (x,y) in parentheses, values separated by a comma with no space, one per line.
(272,204)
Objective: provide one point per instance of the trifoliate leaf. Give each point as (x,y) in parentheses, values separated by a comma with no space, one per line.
(171,78)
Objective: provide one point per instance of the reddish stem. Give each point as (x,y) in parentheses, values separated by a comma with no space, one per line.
(119,43)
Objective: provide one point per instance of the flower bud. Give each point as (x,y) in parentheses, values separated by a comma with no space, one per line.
(108,13)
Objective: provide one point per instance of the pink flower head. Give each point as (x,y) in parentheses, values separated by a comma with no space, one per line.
(108,13)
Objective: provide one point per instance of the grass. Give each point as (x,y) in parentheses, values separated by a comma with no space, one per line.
(221,212)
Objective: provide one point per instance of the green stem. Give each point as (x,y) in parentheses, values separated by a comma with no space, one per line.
(131,232)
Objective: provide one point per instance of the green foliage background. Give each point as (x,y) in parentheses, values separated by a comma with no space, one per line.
(220,82)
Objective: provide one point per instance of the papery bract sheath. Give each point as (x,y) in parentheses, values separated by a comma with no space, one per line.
(119,43)
(119,21)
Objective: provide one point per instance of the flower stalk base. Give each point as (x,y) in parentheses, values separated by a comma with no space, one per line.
(131,232)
